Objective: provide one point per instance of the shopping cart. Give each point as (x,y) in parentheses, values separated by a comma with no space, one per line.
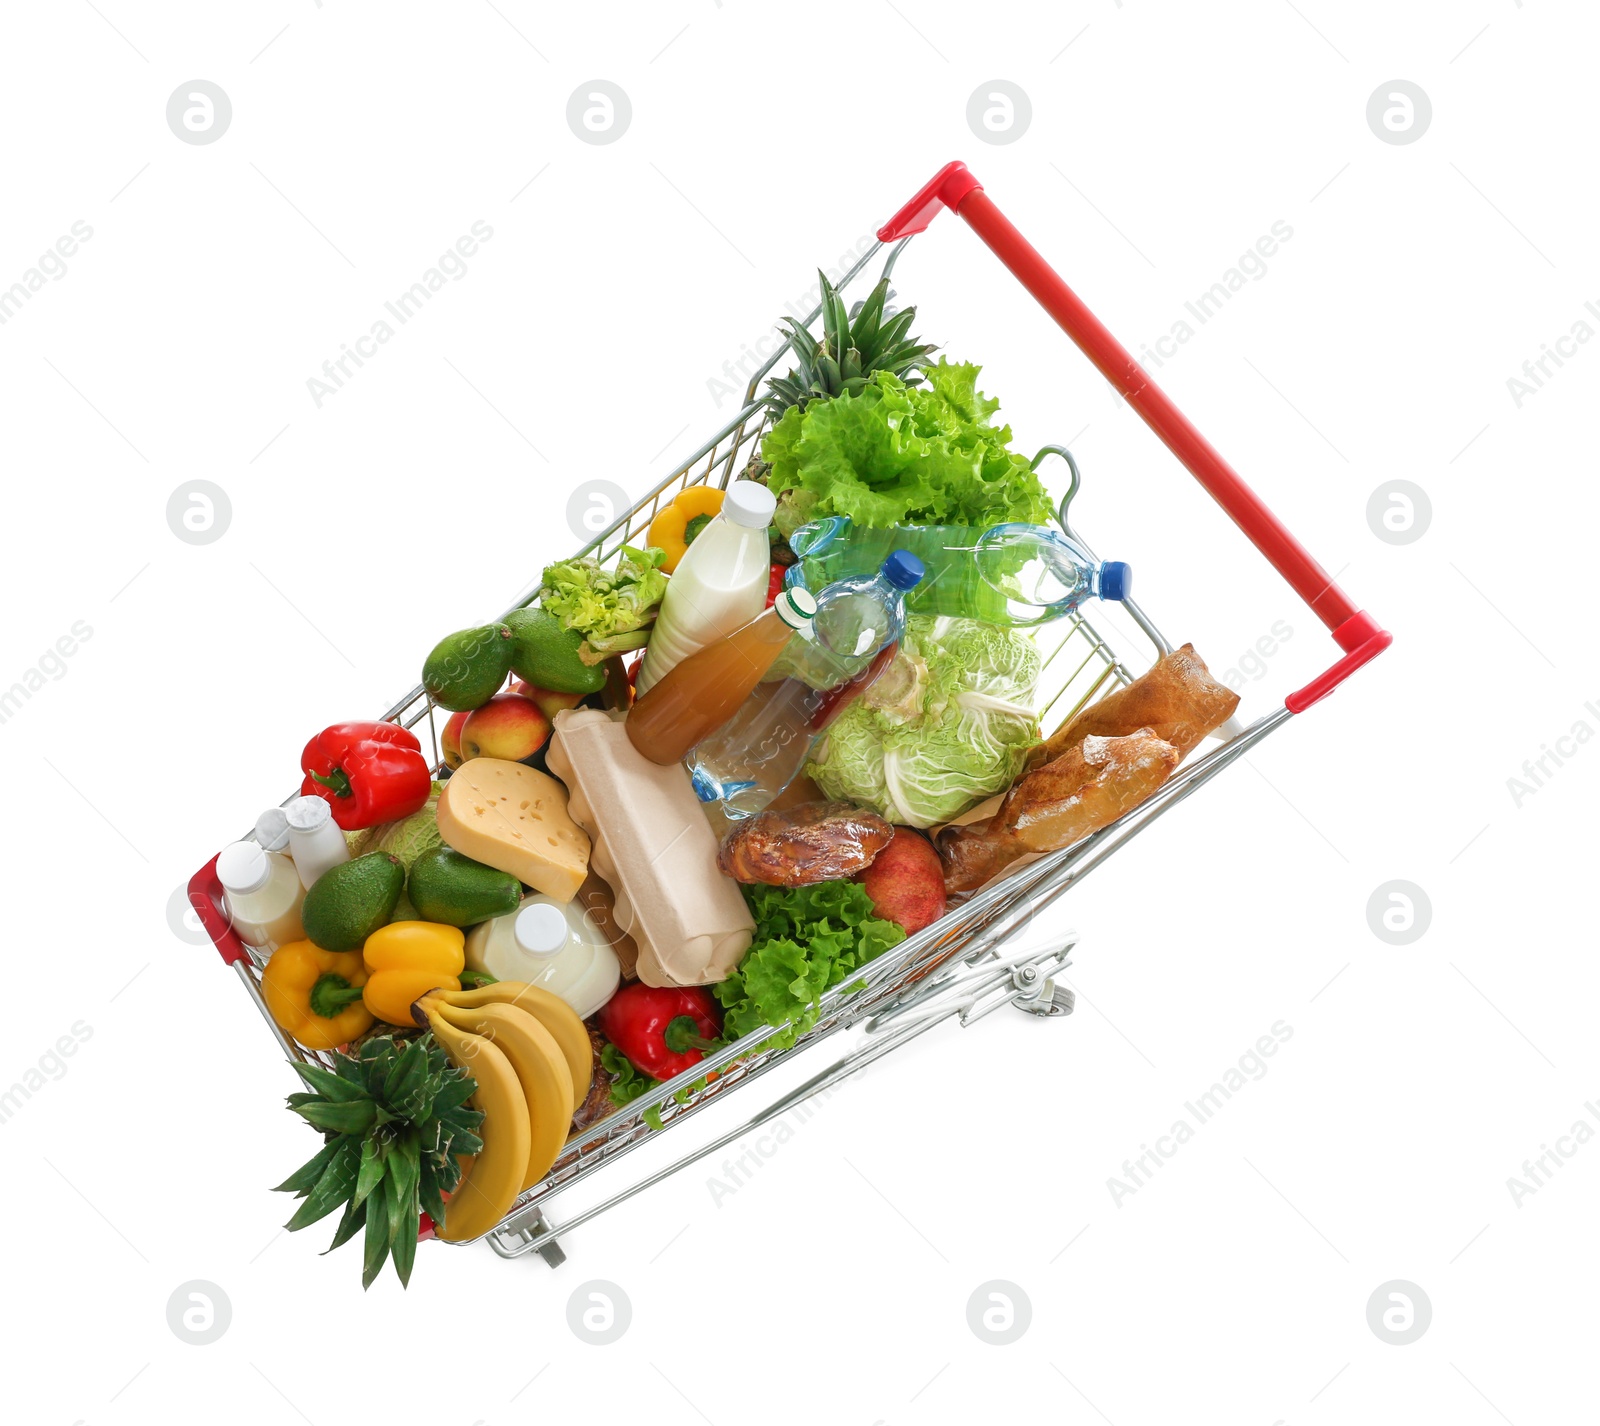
(959,966)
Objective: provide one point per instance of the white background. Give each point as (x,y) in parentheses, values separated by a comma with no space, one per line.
(1165,139)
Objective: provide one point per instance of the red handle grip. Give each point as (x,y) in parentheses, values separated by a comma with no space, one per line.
(205,895)
(954,187)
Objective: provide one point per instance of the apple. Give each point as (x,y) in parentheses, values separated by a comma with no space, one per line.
(450,741)
(906,881)
(508,726)
(549,702)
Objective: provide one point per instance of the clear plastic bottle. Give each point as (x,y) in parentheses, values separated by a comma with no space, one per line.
(720,584)
(708,687)
(754,756)
(856,617)
(1013,574)
(262,892)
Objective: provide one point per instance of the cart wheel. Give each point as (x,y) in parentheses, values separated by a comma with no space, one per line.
(1039,996)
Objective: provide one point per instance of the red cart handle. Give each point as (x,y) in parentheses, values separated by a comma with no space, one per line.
(205,895)
(1356,632)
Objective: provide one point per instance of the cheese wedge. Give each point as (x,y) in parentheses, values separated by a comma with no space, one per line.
(514,818)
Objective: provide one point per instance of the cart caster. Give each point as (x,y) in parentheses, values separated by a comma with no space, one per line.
(1039,995)
(512,1240)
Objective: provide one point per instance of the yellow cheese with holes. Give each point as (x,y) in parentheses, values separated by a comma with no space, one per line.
(514,818)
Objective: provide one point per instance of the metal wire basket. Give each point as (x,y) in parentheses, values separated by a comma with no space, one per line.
(959,966)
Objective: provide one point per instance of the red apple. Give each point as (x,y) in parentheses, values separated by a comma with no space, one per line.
(906,881)
(548,700)
(450,741)
(508,726)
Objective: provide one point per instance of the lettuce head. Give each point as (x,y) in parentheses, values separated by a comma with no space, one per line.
(892,454)
(947,724)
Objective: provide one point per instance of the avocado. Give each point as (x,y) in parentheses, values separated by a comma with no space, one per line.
(446,886)
(544,652)
(347,903)
(466,669)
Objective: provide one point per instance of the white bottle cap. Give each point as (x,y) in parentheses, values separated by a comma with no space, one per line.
(307,814)
(272,829)
(749,503)
(242,867)
(541,929)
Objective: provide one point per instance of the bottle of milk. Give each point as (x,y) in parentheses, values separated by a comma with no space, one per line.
(720,584)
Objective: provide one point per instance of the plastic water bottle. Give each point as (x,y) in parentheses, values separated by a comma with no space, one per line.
(1013,574)
(855,619)
(753,757)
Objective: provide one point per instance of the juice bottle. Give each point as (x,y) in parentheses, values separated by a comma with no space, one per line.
(315,841)
(706,689)
(719,585)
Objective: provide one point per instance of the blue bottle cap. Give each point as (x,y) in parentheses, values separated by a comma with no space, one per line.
(1116,580)
(903,570)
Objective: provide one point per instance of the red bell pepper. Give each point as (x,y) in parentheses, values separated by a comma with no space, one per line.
(775,578)
(368,772)
(662,1031)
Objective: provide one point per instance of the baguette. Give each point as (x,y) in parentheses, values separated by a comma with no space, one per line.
(1084,789)
(1177,700)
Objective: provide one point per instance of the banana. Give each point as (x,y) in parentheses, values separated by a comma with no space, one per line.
(490,1186)
(541,1070)
(551,1011)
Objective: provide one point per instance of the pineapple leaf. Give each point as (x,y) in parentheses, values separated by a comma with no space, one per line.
(329,1084)
(430,1191)
(894,330)
(405,1082)
(355,1216)
(864,330)
(370,1172)
(332,1189)
(304,1178)
(380,1232)
(353,1118)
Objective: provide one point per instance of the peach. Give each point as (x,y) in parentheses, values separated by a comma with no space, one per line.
(450,741)
(508,726)
(906,881)
(548,700)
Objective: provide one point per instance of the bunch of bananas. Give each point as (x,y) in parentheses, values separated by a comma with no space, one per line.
(530,1056)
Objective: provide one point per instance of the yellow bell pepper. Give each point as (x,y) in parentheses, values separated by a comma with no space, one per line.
(315,996)
(669,530)
(406,959)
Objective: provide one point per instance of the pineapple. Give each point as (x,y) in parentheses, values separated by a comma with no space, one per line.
(397,1118)
(849,351)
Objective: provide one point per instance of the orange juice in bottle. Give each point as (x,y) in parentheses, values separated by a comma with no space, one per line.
(700,694)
